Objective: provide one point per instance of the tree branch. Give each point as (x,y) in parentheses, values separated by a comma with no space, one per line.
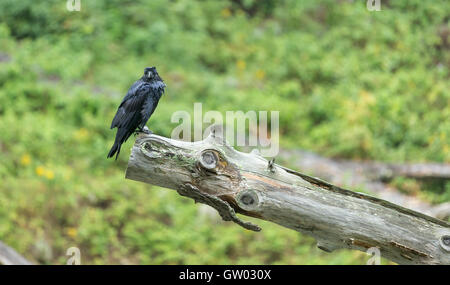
(213,173)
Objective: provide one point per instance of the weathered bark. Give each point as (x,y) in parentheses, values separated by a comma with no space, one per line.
(213,173)
(372,176)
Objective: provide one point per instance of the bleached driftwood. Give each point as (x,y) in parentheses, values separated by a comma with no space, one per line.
(214,173)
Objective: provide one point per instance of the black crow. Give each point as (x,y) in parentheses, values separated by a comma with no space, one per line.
(137,107)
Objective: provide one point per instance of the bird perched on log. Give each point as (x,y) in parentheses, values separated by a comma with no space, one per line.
(137,107)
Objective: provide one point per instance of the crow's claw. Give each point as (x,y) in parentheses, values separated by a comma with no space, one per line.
(144,130)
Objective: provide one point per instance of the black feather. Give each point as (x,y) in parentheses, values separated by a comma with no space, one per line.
(136,107)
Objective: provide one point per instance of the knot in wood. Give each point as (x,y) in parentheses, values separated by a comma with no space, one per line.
(248,200)
(445,242)
(208,159)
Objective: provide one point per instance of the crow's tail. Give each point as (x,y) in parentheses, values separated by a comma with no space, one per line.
(115,148)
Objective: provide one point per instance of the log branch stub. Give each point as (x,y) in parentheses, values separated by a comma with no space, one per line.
(208,159)
(224,209)
(248,200)
(271,165)
(444,242)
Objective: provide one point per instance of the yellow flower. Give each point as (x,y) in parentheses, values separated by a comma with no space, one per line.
(40,170)
(25,159)
(81,134)
(260,74)
(225,13)
(241,64)
(72,232)
(49,174)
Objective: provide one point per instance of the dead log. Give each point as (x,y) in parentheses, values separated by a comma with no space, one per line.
(214,173)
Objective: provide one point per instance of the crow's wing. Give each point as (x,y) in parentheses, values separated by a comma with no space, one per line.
(150,104)
(129,113)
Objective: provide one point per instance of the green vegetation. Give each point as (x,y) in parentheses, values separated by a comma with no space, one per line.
(347,82)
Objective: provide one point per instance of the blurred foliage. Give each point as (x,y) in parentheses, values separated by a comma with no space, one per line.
(347,82)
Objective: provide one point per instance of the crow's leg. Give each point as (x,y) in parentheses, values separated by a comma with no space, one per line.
(144,130)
